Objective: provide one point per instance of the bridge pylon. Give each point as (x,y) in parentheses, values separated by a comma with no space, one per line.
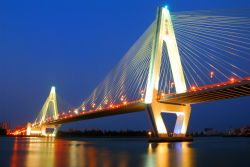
(39,127)
(50,101)
(165,33)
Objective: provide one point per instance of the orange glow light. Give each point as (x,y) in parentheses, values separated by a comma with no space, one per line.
(142,93)
(172,84)
(211,74)
(122,98)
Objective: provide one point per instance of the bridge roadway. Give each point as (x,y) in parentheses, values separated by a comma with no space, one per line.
(121,109)
(225,90)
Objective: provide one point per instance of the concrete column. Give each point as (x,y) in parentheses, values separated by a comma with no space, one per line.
(165,33)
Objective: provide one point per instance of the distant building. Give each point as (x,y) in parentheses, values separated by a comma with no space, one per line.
(210,132)
(5,127)
(245,131)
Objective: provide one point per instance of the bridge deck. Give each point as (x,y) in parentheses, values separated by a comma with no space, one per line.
(133,107)
(220,91)
(225,90)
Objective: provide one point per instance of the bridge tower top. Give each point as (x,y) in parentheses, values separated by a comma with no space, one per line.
(49,105)
(164,33)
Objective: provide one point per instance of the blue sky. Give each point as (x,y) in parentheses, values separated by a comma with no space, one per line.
(74,44)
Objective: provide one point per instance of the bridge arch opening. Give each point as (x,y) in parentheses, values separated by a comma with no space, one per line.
(169,120)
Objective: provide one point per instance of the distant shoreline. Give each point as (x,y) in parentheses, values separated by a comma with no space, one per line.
(69,136)
(96,133)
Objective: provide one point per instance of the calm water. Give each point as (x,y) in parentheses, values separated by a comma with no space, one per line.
(32,152)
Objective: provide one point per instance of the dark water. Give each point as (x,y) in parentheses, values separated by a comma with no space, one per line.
(203,152)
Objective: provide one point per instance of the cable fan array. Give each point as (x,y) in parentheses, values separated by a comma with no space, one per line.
(49,110)
(127,81)
(214,47)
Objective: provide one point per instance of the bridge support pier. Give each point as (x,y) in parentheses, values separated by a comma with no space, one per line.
(182,120)
(49,130)
(155,110)
(40,128)
(44,130)
(165,34)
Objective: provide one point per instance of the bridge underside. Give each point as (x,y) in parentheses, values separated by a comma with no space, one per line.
(210,94)
(135,107)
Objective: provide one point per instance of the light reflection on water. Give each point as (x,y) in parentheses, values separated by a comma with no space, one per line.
(32,152)
(49,152)
(169,154)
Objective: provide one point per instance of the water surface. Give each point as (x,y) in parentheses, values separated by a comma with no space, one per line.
(115,152)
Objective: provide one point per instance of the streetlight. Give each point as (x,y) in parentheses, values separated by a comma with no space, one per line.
(211,74)
(149,134)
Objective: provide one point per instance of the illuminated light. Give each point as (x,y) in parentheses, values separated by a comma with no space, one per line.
(149,133)
(122,98)
(172,84)
(93,105)
(69,111)
(166,7)
(99,108)
(35,132)
(53,89)
(106,101)
(125,102)
(193,88)
(232,79)
(211,74)
(111,106)
(142,93)
(83,108)
(162,94)
(76,111)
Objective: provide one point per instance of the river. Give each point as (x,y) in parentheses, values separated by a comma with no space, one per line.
(117,152)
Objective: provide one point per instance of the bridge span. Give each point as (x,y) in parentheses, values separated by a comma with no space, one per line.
(158,74)
(220,91)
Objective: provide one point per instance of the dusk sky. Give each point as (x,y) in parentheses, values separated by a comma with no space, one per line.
(74,44)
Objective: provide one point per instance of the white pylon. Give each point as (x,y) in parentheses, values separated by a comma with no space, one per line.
(165,33)
(51,100)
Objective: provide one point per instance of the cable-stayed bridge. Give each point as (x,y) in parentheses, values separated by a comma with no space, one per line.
(181,59)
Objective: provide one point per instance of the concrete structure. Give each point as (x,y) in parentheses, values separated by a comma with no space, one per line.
(165,33)
(177,103)
(40,128)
